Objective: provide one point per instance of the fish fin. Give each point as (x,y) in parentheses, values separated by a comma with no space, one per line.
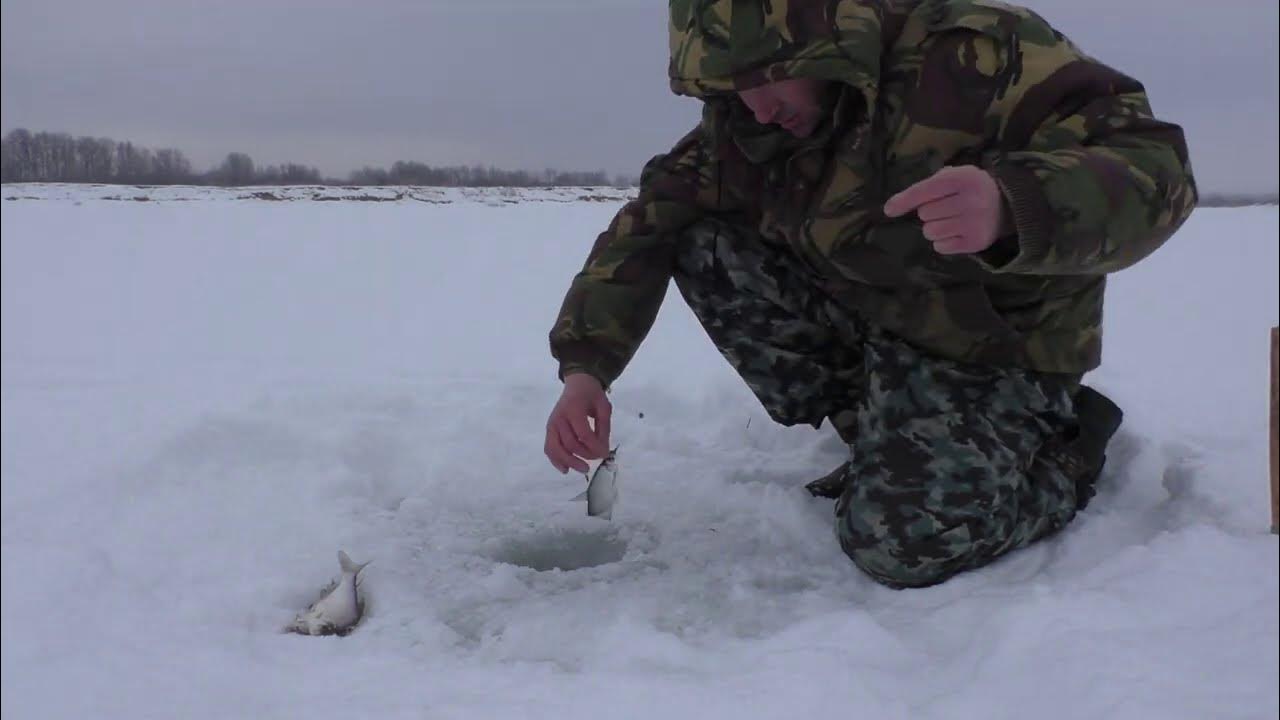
(328,588)
(344,561)
(579,498)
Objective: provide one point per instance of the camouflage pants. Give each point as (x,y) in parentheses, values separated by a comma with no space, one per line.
(945,472)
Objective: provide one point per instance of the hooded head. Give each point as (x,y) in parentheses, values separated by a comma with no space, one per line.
(795,104)
(720,47)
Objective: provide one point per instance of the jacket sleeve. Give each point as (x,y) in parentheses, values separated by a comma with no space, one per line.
(612,303)
(1093,181)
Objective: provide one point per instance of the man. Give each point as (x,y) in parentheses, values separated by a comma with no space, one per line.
(897,216)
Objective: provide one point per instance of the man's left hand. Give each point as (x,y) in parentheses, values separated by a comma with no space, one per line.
(961,208)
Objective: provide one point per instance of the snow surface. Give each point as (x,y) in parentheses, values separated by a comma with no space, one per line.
(204,400)
(433,195)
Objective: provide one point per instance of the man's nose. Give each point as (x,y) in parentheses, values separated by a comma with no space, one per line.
(768,113)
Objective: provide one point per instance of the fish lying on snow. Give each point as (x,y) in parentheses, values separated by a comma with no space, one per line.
(602,488)
(340,607)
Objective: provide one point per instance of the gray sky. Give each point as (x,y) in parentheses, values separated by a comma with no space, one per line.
(572,84)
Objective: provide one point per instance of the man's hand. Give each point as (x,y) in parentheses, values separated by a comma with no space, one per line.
(961,208)
(569,435)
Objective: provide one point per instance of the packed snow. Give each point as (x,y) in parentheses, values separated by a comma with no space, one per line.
(431,195)
(209,393)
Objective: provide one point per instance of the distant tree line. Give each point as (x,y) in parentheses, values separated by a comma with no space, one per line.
(1238,199)
(416,173)
(58,157)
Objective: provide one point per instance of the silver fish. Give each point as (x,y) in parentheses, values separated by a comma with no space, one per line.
(602,488)
(340,607)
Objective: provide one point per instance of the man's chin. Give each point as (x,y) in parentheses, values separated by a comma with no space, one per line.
(803,131)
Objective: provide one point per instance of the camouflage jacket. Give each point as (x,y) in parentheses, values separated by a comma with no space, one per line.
(1093,181)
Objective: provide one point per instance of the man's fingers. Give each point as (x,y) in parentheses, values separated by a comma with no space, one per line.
(947,207)
(587,440)
(940,185)
(556,454)
(940,230)
(570,443)
(953,246)
(604,416)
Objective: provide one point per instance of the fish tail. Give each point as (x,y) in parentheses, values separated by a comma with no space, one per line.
(348,566)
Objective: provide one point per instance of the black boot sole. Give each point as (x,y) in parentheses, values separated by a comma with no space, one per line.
(831,485)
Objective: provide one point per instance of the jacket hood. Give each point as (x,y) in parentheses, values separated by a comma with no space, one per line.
(722,46)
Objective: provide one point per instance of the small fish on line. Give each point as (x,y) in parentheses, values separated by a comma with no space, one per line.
(602,488)
(340,607)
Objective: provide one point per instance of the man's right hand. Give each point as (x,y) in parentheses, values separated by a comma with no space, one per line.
(570,439)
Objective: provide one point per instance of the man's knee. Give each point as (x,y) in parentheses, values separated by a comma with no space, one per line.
(918,535)
(906,555)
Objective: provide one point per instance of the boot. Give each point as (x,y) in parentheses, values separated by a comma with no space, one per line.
(1082,454)
(830,485)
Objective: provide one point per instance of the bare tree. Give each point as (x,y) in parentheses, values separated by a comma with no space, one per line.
(171,167)
(15,157)
(134,164)
(97,158)
(237,169)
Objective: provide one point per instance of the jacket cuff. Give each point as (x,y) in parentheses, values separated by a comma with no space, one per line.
(1032,219)
(580,356)
(567,369)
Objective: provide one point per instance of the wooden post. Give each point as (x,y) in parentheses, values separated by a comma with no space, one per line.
(1275,430)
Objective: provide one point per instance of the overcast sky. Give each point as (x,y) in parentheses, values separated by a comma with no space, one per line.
(572,84)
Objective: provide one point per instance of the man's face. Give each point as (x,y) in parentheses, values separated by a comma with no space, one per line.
(795,104)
